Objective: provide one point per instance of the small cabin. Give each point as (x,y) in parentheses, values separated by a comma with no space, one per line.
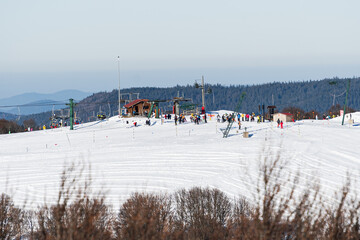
(138,107)
(285,117)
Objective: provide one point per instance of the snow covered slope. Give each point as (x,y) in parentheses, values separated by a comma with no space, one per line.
(165,157)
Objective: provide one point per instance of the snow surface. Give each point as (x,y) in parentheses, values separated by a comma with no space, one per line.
(164,157)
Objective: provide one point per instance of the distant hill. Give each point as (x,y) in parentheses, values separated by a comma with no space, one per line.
(8,116)
(308,95)
(38,102)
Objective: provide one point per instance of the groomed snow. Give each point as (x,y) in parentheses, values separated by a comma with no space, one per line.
(165,157)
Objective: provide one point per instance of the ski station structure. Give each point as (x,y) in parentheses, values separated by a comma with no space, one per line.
(285,117)
(146,107)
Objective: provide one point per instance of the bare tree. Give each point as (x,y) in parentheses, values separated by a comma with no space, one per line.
(10,219)
(77,214)
(202,213)
(145,216)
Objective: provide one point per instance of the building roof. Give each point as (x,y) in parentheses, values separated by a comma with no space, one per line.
(135,102)
(288,114)
(271,106)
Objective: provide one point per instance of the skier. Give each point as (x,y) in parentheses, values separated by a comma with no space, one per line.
(278,122)
(281,123)
(239,124)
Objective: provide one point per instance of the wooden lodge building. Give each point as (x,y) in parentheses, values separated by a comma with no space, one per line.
(138,107)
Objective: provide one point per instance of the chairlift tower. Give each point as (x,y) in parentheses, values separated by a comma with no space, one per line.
(176,104)
(72,105)
(335,95)
(346,97)
(202,86)
(119,108)
(202,92)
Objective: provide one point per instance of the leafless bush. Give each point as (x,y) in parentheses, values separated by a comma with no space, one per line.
(77,214)
(342,221)
(282,211)
(201,213)
(240,225)
(145,216)
(10,219)
(275,191)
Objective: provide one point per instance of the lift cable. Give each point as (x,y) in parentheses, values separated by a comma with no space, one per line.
(32,105)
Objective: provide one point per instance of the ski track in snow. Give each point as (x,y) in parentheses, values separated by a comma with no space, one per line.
(163,158)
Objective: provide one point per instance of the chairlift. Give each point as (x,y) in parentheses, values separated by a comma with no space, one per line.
(77,120)
(101,115)
(54,122)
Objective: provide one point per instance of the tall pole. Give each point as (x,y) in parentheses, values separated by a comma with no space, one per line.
(347,93)
(119,86)
(203,91)
(71,104)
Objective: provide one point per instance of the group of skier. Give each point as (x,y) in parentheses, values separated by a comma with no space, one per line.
(198,118)
(194,118)
(167,116)
(179,119)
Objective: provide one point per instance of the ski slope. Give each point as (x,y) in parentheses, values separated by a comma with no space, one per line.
(164,157)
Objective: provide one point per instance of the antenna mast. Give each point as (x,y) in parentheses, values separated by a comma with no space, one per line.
(203,92)
(119,86)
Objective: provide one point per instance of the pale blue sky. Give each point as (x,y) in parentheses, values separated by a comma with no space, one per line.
(46,46)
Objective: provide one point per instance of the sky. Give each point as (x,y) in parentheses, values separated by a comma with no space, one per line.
(47,46)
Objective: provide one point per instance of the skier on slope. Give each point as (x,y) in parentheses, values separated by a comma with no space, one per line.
(278,122)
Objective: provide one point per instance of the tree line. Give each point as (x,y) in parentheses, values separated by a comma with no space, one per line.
(310,96)
(307,95)
(13,127)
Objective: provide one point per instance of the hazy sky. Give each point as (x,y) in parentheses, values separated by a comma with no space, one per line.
(46,46)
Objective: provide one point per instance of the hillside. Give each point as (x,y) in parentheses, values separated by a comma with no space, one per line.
(38,102)
(308,95)
(165,157)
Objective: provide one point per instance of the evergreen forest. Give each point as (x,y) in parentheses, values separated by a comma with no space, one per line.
(319,96)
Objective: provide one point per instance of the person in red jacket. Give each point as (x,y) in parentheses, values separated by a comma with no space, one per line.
(281,124)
